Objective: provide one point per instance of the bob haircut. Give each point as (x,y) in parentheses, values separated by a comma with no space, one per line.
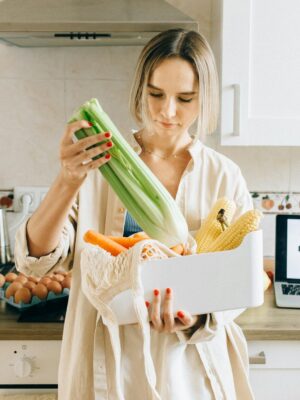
(192,47)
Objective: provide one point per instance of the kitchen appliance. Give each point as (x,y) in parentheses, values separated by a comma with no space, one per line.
(5,253)
(287,261)
(29,366)
(92,23)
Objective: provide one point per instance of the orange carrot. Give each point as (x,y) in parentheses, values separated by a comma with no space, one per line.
(126,241)
(141,234)
(178,248)
(104,242)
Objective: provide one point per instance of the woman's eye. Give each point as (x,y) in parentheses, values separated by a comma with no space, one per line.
(185,100)
(155,94)
(179,98)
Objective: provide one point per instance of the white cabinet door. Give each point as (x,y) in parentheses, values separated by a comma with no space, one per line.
(260,73)
(275,369)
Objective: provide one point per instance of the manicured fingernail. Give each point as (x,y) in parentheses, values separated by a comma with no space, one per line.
(156,292)
(168,290)
(180,314)
(107,156)
(147,304)
(107,134)
(109,144)
(90,124)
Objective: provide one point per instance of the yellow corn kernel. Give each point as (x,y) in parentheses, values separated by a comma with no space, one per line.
(234,235)
(211,228)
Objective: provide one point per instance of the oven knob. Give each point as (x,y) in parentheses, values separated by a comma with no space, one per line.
(23,367)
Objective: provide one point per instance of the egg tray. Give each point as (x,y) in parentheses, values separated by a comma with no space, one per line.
(34,301)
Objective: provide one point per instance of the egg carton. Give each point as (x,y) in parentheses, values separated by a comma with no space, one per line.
(34,301)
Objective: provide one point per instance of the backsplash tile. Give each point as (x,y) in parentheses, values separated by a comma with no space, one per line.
(277,202)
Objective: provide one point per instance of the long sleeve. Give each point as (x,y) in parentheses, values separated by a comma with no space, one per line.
(61,257)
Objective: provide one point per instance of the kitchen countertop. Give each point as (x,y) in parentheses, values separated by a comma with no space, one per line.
(266,322)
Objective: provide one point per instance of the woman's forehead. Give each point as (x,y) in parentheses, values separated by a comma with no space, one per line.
(176,74)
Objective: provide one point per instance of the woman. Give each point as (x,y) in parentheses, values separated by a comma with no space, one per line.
(201,357)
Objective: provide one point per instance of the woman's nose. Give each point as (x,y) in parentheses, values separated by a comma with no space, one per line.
(168,109)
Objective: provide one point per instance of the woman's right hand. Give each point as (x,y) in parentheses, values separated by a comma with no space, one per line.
(76,158)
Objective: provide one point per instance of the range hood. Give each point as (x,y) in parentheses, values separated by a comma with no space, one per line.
(53,23)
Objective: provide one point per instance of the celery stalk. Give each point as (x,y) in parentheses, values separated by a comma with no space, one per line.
(141,192)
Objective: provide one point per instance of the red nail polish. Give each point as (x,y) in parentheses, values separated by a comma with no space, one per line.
(90,124)
(156,292)
(107,134)
(107,156)
(180,314)
(147,304)
(168,290)
(109,144)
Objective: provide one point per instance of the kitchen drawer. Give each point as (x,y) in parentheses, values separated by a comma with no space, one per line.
(275,369)
(274,354)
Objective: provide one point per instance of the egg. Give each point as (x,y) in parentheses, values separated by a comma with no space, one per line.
(12,288)
(10,276)
(21,278)
(40,291)
(58,277)
(23,295)
(66,283)
(55,287)
(45,280)
(29,285)
(34,279)
(2,280)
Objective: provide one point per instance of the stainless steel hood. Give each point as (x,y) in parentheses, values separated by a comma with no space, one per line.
(52,23)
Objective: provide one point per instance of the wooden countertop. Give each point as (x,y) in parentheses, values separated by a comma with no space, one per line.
(10,329)
(266,322)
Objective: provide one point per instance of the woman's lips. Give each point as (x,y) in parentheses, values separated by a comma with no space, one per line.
(167,125)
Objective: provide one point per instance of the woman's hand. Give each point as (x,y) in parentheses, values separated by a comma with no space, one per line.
(166,322)
(76,158)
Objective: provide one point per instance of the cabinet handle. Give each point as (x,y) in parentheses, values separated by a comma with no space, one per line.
(260,358)
(236,109)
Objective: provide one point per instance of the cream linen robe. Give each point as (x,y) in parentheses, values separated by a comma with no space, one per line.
(212,364)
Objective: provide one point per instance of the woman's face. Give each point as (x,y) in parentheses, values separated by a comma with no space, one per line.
(172,94)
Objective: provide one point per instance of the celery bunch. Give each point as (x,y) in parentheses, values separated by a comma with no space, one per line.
(143,195)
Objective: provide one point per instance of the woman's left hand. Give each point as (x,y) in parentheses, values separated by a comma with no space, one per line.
(166,322)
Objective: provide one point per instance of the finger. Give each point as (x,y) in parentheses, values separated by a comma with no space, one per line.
(92,154)
(185,318)
(72,128)
(95,164)
(155,311)
(168,311)
(84,144)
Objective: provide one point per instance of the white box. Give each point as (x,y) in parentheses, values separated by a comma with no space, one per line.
(203,283)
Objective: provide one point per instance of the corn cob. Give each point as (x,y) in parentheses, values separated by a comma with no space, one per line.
(234,235)
(211,228)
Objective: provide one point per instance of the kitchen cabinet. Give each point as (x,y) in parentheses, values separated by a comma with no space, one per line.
(275,369)
(260,78)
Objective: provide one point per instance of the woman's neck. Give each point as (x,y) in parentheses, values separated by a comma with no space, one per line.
(162,146)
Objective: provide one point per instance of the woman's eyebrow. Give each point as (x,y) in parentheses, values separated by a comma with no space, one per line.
(157,88)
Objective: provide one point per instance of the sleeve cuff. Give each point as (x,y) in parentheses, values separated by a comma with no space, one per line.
(39,266)
(208,329)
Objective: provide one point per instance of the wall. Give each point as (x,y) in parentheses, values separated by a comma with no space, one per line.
(39,89)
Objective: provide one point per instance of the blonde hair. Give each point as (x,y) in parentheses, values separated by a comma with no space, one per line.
(192,47)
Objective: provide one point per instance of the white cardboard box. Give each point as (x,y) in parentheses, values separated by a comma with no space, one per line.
(203,283)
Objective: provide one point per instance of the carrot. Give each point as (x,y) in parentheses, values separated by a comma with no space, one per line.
(178,248)
(126,241)
(104,242)
(141,234)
